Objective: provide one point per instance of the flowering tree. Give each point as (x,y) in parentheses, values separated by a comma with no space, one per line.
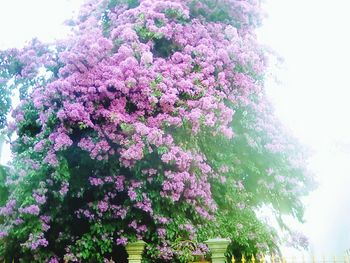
(150,122)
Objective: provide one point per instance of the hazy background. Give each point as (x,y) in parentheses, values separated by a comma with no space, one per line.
(313,36)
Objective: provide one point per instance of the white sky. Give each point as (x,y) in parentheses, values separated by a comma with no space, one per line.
(21,20)
(314,38)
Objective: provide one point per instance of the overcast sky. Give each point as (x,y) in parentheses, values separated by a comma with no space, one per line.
(313,100)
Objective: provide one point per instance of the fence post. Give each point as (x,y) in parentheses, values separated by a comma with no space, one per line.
(135,251)
(218,248)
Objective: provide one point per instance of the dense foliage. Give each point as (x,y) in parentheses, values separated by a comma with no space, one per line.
(150,122)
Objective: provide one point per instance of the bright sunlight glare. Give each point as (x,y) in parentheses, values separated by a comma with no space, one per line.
(312,101)
(21,20)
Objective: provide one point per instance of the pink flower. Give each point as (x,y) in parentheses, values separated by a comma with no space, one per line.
(62,141)
(122,241)
(38,147)
(3,234)
(147,58)
(8,209)
(64,188)
(30,210)
(102,206)
(122,112)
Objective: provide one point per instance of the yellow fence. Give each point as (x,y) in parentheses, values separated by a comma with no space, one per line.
(278,259)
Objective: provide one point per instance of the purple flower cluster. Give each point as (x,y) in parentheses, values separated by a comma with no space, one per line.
(36,241)
(135,94)
(128,96)
(8,209)
(30,210)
